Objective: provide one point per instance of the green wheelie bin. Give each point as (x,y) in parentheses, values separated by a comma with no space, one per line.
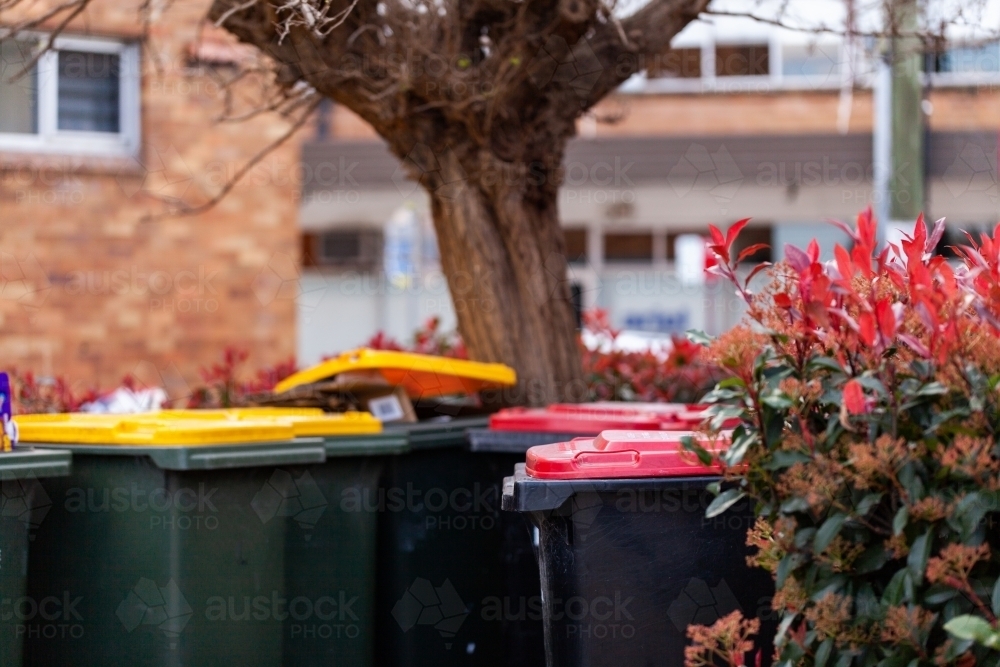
(330,543)
(24,503)
(330,551)
(440,534)
(456,575)
(163,550)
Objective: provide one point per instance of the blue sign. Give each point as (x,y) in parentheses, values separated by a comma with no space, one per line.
(659,322)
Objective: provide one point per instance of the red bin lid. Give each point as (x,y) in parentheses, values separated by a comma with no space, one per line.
(624,454)
(676,416)
(624,407)
(585,423)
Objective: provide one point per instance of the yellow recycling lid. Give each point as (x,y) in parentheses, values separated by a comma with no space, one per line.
(422,375)
(146,430)
(306,422)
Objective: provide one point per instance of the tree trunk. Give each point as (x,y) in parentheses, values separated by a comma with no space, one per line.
(502,250)
(478,99)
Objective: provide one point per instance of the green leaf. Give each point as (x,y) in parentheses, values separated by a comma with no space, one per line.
(893,594)
(823,653)
(920,551)
(939,594)
(828,363)
(873,384)
(975,628)
(778,400)
(691,445)
(731,382)
(786,622)
(866,504)
(932,389)
(782,459)
(714,488)
(900,520)
(723,501)
(827,532)
(803,536)
(734,455)
(996,598)
(785,567)
(794,504)
(872,559)
(719,395)
(699,337)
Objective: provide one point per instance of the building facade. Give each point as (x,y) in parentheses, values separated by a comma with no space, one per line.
(100,139)
(736,120)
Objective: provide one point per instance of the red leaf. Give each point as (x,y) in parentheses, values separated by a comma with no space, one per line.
(920,232)
(813,251)
(866,324)
(886,318)
(734,231)
(796,258)
(757,269)
(844,264)
(935,237)
(747,252)
(854,398)
(717,237)
(867,231)
(782,300)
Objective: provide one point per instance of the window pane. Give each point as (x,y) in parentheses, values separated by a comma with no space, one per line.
(88,91)
(576,244)
(968,59)
(18,99)
(742,60)
(752,236)
(676,64)
(628,247)
(817,60)
(348,248)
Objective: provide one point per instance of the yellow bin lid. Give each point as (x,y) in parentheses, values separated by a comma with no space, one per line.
(422,375)
(306,422)
(144,430)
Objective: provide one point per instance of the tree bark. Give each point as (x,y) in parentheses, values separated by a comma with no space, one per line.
(502,251)
(478,99)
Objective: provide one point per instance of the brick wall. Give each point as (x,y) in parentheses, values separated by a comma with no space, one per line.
(93,287)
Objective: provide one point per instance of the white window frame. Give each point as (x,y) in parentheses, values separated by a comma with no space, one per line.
(49,139)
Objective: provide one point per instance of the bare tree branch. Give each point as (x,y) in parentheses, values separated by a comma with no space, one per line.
(179,207)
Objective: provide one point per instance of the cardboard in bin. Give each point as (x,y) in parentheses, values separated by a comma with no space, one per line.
(421,375)
(618,454)
(141,430)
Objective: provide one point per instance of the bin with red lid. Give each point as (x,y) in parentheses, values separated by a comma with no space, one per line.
(626,556)
(516,429)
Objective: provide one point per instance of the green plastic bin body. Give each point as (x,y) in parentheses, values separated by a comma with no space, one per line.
(458,579)
(330,552)
(24,504)
(166,556)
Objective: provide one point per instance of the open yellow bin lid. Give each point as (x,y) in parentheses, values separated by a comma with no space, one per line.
(146,431)
(306,422)
(422,375)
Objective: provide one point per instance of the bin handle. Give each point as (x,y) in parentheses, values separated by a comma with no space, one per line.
(218,459)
